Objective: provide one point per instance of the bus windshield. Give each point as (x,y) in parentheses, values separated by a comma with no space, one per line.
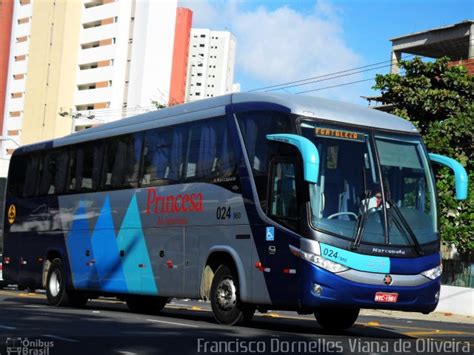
(349,187)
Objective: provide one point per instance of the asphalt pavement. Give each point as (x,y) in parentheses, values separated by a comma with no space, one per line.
(105,326)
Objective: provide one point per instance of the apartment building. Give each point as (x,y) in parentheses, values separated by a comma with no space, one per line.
(211,64)
(73,64)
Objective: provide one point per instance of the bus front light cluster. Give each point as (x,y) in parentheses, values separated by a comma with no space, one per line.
(318,260)
(433,273)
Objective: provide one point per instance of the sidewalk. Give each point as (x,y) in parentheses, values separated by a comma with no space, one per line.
(432,317)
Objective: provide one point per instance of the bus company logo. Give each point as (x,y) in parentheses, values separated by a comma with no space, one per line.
(11,214)
(20,346)
(387,280)
(180,203)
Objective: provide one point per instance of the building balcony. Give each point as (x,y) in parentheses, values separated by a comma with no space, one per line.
(85,97)
(98,33)
(101,12)
(94,75)
(96,54)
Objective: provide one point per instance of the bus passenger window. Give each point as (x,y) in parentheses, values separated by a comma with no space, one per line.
(179,148)
(29,189)
(209,153)
(156,157)
(121,162)
(53,175)
(17,175)
(87,163)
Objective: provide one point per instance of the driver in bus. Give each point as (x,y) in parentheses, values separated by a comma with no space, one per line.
(373,203)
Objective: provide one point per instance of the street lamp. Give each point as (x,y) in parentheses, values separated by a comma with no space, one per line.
(3,138)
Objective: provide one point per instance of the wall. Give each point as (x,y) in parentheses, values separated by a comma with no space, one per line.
(52,69)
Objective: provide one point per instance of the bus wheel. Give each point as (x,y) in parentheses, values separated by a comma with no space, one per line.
(225,301)
(336,319)
(56,292)
(146,304)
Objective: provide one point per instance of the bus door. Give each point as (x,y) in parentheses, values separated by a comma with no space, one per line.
(283,207)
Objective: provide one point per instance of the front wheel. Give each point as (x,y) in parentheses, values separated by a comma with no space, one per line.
(225,301)
(336,319)
(56,291)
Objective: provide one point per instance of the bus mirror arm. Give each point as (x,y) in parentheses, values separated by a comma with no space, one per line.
(460,174)
(307,149)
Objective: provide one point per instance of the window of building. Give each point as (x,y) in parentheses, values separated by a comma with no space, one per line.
(92,24)
(90,4)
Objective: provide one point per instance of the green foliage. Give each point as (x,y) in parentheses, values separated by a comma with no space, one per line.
(438,99)
(158,105)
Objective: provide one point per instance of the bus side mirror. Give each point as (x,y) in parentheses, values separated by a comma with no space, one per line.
(308,151)
(460,174)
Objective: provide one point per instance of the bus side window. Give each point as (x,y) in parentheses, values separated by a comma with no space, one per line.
(156,157)
(254,127)
(210,153)
(122,161)
(85,168)
(17,175)
(31,176)
(53,173)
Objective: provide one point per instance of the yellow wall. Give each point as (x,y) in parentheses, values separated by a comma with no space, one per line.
(52,67)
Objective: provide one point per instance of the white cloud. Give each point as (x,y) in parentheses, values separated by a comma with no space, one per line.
(282,44)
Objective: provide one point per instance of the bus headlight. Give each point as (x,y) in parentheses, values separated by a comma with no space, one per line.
(318,260)
(433,273)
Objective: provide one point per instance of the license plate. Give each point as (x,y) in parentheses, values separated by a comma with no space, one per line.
(386,297)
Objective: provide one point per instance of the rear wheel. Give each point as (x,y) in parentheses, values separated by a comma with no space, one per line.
(146,304)
(336,319)
(225,301)
(56,291)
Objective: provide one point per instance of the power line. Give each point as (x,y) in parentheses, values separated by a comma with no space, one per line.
(334,86)
(303,81)
(347,83)
(338,74)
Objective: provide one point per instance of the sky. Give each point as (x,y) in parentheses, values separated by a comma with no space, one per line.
(283,41)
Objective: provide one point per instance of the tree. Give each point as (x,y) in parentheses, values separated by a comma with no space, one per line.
(438,99)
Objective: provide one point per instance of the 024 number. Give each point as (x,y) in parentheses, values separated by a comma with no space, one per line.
(223,212)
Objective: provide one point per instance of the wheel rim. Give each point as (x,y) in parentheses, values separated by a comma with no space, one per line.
(55,283)
(226,294)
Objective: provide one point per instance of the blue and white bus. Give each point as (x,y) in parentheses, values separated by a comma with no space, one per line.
(251,201)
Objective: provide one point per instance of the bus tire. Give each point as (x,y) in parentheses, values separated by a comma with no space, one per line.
(145,304)
(56,291)
(225,301)
(336,319)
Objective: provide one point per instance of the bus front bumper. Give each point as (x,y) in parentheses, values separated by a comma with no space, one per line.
(321,288)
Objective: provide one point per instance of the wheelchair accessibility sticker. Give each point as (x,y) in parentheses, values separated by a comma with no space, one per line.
(270,234)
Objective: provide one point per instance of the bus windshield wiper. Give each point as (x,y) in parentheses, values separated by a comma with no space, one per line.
(403,226)
(362,216)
